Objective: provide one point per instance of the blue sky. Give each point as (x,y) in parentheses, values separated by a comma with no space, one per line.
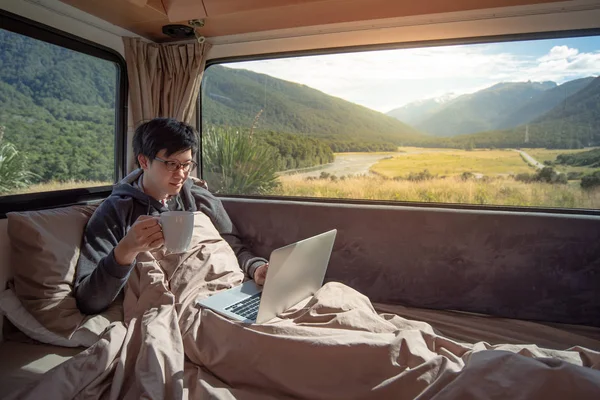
(540,47)
(387,79)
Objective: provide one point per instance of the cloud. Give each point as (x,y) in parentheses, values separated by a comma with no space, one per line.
(559,53)
(386,79)
(563,63)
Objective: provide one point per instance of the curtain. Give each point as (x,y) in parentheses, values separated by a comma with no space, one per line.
(164,79)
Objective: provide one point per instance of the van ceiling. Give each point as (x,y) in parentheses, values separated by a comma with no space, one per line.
(232,17)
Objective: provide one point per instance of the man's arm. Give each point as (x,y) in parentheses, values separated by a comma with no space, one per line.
(99,277)
(211,206)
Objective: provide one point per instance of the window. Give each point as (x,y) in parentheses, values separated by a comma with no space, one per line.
(60,112)
(514,123)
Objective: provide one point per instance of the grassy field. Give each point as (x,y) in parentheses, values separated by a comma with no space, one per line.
(497,188)
(497,191)
(409,149)
(550,155)
(445,162)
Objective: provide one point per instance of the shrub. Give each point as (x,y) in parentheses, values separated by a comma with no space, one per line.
(546,175)
(13,167)
(235,164)
(525,177)
(424,175)
(573,175)
(591,181)
(549,175)
(467,176)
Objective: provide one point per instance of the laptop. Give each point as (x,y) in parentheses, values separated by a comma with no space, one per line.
(295,272)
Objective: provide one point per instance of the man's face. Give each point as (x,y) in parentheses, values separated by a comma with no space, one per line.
(165,174)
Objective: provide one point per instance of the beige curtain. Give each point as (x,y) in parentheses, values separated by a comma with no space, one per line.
(164,79)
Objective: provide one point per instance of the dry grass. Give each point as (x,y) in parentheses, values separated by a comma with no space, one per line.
(498,191)
(53,186)
(454,162)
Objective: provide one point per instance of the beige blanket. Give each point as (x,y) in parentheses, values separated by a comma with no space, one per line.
(333,345)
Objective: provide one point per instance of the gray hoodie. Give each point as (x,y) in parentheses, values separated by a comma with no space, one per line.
(99,278)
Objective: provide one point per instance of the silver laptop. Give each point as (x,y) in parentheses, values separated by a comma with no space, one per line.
(295,272)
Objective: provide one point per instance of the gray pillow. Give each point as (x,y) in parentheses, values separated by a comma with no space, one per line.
(44,251)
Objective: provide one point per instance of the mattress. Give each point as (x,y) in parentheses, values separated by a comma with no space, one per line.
(472,328)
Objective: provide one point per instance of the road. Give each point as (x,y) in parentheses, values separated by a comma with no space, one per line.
(349,164)
(532,161)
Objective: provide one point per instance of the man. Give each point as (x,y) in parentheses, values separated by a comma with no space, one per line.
(126,223)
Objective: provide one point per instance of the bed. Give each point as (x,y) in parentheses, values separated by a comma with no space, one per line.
(157,342)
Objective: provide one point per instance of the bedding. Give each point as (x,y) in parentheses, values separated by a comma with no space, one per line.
(333,345)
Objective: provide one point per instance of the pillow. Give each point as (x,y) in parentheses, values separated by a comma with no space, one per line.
(44,252)
(20,318)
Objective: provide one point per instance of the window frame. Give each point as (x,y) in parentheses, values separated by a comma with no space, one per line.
(44,200)
(390,46)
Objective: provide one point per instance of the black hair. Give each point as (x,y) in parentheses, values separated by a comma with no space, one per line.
(164,133)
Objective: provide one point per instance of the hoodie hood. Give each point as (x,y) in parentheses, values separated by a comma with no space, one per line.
(125,189)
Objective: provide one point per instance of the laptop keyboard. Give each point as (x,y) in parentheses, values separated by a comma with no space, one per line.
(247,308)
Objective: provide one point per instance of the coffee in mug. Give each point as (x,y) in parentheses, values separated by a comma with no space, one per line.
(177,227)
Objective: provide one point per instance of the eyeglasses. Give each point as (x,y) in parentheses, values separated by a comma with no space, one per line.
(173,166)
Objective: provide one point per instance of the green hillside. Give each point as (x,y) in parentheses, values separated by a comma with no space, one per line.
(234,97)
(57,107)
(589,158)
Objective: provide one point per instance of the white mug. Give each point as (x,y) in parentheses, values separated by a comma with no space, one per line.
(177,227)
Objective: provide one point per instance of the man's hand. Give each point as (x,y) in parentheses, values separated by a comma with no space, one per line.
(261,274)
(144,235)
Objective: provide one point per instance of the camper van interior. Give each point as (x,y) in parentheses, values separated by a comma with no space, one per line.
(453,145)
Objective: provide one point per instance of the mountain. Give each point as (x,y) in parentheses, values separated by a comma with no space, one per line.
(543,103)
(581,108)
(575,123)
(235,97)
(416,111)
(483,110)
